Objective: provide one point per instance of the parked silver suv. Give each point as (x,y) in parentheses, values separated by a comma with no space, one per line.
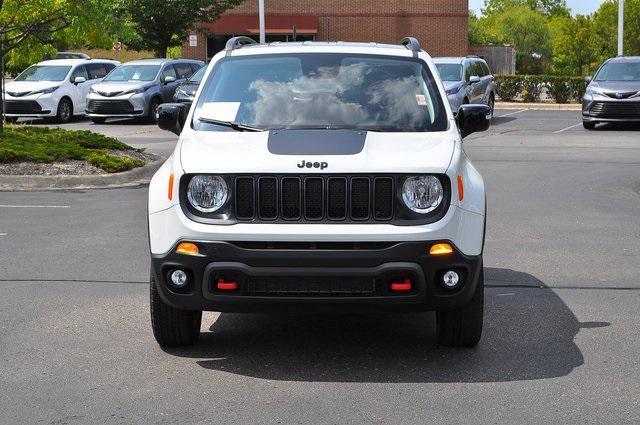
(613,95)
(137,88)
(467,80)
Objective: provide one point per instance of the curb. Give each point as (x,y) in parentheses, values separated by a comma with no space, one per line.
(134,177)
(540,106)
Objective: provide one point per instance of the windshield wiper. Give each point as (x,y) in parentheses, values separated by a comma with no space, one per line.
(231,124)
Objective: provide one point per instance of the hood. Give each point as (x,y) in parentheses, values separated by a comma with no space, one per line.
(625,87)
(22,88)
(259,152)
(114,88)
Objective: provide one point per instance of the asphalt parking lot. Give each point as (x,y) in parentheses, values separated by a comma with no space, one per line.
(561,338)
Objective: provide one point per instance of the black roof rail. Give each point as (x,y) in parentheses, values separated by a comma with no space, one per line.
(412,44)
(237,42)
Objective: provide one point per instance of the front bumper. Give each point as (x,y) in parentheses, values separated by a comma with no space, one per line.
(116,107)
(602,110)
(31,108)
(307,276)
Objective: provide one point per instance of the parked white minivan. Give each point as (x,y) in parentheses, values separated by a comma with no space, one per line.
(54,88)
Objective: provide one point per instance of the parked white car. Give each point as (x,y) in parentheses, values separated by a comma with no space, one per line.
(314,176)
(54,88)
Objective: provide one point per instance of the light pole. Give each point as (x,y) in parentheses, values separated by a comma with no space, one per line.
(261,15)
(620,27)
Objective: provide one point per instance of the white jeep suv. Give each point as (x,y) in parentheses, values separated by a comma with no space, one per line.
(318,176)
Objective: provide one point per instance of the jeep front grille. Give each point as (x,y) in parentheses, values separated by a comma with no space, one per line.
(313,198)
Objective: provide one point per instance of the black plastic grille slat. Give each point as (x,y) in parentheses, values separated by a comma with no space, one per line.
(109,107)
(245,198)
(337,198)
(383,198)
(313,198)
(291,197)
(325,286)
(268,198)
(22,107)
(615,109)
(360,198)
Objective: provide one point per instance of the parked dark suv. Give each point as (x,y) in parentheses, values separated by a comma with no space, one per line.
(613,94)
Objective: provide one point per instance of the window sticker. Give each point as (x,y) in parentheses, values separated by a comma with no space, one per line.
(221,111)
(421,100)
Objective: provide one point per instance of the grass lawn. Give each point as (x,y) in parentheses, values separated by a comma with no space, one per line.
(21,143)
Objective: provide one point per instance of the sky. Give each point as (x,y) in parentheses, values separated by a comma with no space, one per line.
(583,7)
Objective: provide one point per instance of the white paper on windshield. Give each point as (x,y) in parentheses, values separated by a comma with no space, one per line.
(221,111)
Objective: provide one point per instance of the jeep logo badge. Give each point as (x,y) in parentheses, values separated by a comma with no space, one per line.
(320,165)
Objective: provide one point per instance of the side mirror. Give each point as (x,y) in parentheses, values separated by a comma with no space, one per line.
(172,116)
(588,79)
(79,80)
(473,118)
(474,79)
(169,79)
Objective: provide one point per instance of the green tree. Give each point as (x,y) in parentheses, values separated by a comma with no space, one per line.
(574,52)
(168,25)
(526,30)
(605,29)
(548,7)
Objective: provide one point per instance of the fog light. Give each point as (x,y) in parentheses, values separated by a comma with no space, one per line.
(450,279)
(178,278)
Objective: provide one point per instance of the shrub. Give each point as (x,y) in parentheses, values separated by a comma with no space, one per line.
(508,86)
(43,145)
(112,163)
(560,89)
(529,87)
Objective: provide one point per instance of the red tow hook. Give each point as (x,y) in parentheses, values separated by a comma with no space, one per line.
(403,286)
(226,285)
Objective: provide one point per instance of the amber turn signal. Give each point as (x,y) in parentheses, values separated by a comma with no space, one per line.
(188,248)
(170,193)
(441,249)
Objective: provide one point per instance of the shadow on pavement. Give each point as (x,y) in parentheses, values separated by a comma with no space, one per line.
(497,120)
(529,334)
(618,126)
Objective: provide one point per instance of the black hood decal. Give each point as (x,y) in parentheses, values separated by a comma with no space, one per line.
(316,142)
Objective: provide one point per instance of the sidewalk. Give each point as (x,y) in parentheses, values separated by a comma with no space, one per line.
(540,106)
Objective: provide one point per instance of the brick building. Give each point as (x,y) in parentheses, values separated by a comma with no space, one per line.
(440,25)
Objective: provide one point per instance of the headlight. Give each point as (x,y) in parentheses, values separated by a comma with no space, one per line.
(422,194)
(46,91)
(453,90)
(207,193)
(592,90)
(136,91)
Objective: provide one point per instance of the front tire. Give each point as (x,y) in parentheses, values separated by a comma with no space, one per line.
(492,105)
(10,120)
(588,125)
(462,327)
(153,111)
(172,327)
(65,111)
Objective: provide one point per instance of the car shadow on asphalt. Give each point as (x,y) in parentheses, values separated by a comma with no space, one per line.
(497,120)
(529,334)
(618,126)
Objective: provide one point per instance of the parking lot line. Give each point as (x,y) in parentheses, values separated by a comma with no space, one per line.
(3,234)
(35,206)
(512,113)
(567,128)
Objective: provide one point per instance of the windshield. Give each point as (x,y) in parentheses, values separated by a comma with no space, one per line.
(619,71)
(133,73)
(197,77)
(450,71)
(44,73)
(322,91)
